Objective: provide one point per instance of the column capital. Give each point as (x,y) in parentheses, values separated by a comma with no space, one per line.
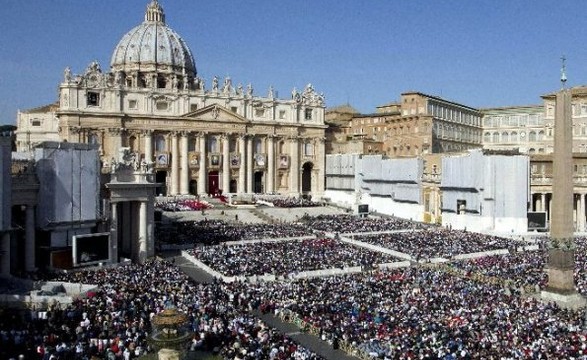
(117,131)
(147,132)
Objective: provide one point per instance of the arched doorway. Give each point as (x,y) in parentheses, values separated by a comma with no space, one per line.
(160,178)
(258,182)
(213,183)
(307,177)
(193,187)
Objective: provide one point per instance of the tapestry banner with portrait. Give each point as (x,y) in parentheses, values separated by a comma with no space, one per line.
(283,161)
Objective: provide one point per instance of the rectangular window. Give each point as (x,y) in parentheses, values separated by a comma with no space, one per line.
(260,112)
(132,104)
(36,122)
(93,98)
(162,105)
(308,149)
(281,114)
(193,107)
(308,114)
(234,109)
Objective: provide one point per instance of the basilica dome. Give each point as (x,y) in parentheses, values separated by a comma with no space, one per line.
(153,47)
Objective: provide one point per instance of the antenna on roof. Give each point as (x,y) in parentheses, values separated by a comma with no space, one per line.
(563,71)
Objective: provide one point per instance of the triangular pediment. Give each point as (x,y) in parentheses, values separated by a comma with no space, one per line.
(215,112)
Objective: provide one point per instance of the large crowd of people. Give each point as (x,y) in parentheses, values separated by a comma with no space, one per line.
(458,310)
(114,321)
(213,231)
(182,205)
(348,223)
(438,242)
(425,313)
(287,257)
(287,201)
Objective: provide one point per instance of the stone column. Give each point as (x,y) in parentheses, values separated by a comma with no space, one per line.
(5,254)
(174,165)
(543,201)
(581,223)
(143,232)
(113,253)
(577,210)
(270,164)
(184,182)
(250,140)
(294,169)
(30,239)
(203,162)
(225,163)
(148,146)
(115,140)
(320,162)
(242,169)
(150,228)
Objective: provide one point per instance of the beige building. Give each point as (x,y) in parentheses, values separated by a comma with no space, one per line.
(35,126)
(521,128)
(338,136)
(198,139)
(421,124)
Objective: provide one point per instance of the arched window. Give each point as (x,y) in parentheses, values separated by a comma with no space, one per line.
(541,135)
(496,137)
(505,137)
(487,137)
(531,151)
(532,136)
(514,137)
(160,143)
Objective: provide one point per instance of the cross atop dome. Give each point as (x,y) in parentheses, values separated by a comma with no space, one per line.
(155,12)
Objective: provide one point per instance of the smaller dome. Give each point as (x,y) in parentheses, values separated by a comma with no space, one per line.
(153,45)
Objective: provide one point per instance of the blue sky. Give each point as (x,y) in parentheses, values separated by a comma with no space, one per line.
(481,53)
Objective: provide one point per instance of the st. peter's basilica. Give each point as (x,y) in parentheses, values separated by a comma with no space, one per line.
(198,138)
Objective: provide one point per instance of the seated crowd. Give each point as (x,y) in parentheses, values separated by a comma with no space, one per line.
(526,269)
(288,202)
(182,205)
(425,313)
(346,223)
(420,312)
(438,242)
(114,321)
(213,232)
(287,257)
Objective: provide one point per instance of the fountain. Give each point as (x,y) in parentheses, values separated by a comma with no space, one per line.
(170,334)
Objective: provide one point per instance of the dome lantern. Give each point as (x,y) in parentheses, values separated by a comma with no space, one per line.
(155,12)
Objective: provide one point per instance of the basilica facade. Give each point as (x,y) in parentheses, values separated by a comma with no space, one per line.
(198,139)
